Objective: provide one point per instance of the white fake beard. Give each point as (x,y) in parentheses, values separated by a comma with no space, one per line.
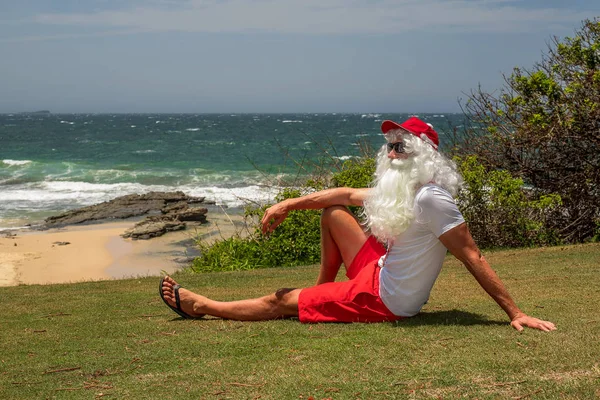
(389,207)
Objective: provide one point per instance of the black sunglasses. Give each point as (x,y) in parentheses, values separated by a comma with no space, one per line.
(398,147)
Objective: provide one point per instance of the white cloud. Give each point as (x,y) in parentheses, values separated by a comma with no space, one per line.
(319,16)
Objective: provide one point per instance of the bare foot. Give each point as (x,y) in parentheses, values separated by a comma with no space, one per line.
(190,303)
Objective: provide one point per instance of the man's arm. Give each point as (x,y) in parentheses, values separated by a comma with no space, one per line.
(460,243)
(275,214)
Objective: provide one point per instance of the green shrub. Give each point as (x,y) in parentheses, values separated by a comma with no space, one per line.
(296,241)
(501,212)
(355,173)
(596,237)
(542,126)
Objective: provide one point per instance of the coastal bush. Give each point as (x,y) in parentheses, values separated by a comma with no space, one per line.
(355,173)
(296,241)
(501,212)
(543,127)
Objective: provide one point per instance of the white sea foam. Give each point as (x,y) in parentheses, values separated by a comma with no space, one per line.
(144,151)
(60,196)
(234,197)
(67,122)
(16,162)
(289,121)
(56,197)
(133,126)
(344,158)
(192,129)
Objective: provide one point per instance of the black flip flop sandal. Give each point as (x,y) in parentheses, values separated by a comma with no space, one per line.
(177,309)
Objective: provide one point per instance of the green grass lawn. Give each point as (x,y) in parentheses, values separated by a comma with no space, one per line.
(116,339)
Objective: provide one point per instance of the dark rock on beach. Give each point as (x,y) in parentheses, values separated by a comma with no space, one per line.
(192,214)
(172,220)
(149,228)
(180,205)
(167,212)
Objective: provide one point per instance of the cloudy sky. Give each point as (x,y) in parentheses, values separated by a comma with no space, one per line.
(269,55)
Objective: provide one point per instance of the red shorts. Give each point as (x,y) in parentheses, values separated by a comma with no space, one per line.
(355,300)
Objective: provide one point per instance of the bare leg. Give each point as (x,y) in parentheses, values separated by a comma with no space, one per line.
(341,239)
(283,303)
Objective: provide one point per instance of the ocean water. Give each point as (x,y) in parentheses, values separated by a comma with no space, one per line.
(50,163)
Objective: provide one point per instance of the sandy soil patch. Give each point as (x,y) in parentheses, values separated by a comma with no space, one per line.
(98,252)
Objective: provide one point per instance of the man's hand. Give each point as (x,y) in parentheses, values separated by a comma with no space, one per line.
(273,216)
(522,320)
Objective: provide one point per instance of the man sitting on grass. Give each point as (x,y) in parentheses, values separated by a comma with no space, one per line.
(410,209)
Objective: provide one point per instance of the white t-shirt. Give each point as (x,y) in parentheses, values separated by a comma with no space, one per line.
(414,259)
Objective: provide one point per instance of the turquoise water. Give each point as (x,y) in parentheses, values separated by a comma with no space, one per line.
(50,163)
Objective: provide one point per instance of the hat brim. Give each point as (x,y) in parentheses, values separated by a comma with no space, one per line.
(388,125)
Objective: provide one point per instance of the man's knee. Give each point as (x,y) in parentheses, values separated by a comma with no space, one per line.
(330,214)
(281,293)
(285,301)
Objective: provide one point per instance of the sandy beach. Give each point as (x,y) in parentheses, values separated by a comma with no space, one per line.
(98,252)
